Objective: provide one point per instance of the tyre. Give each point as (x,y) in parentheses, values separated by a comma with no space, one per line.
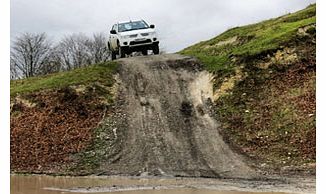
(156,49)
(113,55)
(144,52)
(122,52)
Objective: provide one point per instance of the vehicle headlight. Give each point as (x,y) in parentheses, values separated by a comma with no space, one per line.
(148,34)
(152,33)
(125,37)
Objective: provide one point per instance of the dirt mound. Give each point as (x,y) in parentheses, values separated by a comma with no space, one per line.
(168,127)
(161,124)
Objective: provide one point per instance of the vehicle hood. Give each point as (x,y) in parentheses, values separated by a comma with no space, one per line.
(148,30)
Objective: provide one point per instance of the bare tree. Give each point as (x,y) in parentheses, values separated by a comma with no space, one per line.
(98,49)
(73,51)
(33,54)
(13,71)
(51,65)
(29,52)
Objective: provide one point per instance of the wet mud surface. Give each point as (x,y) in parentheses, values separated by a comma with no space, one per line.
(124,185)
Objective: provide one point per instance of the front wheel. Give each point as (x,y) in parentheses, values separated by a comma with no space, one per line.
(144,52)
(113,55)
(111,52)
(156,49)
(122,52)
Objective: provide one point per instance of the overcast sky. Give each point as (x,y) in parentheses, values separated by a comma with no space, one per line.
(180,23)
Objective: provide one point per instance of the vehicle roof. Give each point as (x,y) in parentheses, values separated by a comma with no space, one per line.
(121,22)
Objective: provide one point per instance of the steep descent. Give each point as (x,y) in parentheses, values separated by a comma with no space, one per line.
(168,128)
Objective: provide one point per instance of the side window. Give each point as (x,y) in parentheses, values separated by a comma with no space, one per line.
(114,27)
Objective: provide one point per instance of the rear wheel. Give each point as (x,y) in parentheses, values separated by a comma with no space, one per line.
(156,49)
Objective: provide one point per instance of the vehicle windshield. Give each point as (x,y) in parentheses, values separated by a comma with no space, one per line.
(128,26)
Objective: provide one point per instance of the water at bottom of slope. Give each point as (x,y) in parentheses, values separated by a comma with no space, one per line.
(30,184)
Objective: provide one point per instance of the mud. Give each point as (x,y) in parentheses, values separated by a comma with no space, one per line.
(124,185)
(168,128)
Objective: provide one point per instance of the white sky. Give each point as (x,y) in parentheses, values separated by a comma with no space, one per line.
(180,23)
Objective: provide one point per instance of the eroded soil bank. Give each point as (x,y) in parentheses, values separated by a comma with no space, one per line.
(161,124)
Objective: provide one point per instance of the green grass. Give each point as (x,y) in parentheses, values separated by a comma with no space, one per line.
(95,73)
(252,40)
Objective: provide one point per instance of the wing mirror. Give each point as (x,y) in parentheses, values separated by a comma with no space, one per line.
(113,32)
(152,26)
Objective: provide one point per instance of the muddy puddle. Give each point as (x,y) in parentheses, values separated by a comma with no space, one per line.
(20,184)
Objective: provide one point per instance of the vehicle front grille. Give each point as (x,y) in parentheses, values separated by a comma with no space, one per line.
(144,34)
(133,36)
(140,42)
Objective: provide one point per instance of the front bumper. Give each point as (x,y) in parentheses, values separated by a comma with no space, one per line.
(138,42)
(137,47)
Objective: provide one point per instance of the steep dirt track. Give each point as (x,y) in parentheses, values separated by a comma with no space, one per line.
(168,128)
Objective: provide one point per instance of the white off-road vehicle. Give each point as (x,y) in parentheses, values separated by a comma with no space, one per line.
(132,36)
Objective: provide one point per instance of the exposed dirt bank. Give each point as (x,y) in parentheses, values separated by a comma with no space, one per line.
(265,86)
(162,124)
(60,123)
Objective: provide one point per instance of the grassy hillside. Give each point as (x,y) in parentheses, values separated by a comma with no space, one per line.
(222,53)
(265,87)
(96,73)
